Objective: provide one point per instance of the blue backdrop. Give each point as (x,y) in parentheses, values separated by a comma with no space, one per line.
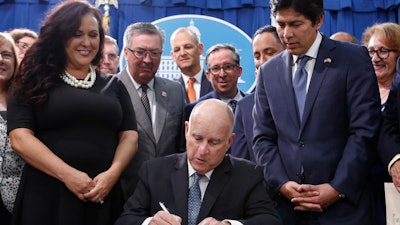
(352,16)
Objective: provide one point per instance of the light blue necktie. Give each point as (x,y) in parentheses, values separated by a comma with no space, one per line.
(300,84)
(194,200)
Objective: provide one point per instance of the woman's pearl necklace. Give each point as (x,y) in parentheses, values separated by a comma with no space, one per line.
(86,83)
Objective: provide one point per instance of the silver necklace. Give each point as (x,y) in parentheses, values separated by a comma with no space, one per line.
(86,83)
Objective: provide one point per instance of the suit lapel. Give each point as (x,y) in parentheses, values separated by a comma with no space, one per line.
(322,64)
(161,95)
(205,85)
(219,178)
(141,117)
(180,183)
(180,80)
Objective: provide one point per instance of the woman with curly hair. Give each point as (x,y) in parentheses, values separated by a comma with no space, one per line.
(74,126)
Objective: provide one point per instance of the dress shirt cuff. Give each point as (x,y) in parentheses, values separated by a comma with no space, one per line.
(233,222)
(395,158)
(147,221)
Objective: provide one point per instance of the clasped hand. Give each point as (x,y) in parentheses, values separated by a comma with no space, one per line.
(395,173)
(307,197)
(88,189)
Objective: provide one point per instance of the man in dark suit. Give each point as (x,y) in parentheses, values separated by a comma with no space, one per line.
(223,71)
(265,44)
(231,189)
(316,124)
(186,50)
(389,144)
(159,116)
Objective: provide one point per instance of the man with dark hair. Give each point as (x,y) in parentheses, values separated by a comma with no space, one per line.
(265,44)
(223,72)
(317,108)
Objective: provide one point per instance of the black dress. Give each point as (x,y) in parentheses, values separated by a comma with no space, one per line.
(80,126)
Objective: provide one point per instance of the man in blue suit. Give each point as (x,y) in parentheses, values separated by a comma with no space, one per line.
(223,72)
(266,44)
(389,144)
(186,50)
(316,159)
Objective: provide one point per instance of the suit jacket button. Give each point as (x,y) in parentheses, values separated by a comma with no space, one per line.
(301,144)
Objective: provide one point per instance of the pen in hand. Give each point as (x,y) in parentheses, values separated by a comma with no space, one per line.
(163,207)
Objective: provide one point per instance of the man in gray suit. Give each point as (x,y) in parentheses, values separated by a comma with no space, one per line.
(158,102)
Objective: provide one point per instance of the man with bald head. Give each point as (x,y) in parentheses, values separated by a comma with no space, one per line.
(344,36)
(186,50)
(266,45)
(221,179)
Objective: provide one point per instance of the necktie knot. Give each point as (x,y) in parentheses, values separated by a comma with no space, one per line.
(232,103)
(197,178)
(303,60)
(144,88)
(192,80)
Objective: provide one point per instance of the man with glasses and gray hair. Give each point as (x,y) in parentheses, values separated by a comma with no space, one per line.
(223,72)
(158,102)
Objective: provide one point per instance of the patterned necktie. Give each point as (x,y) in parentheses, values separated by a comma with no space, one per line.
(191,93)
(232,104)
(145,100)
(300,84)
(194,200)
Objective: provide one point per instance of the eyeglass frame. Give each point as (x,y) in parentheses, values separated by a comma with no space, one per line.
(23,45)
(145,53)
(379,52)
(223,67)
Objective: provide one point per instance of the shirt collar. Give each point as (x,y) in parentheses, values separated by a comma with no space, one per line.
(192,171)
(237,97)
(198,77)
(136,84)
(312,52)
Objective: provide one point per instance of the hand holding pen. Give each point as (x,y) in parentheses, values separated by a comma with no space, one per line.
(165,217)
(163,207)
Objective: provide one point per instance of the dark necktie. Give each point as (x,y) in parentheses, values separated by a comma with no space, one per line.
(145,100)
(232,104)
(300,84)
(194,200)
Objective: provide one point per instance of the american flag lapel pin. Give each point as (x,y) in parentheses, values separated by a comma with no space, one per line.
(327,60)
